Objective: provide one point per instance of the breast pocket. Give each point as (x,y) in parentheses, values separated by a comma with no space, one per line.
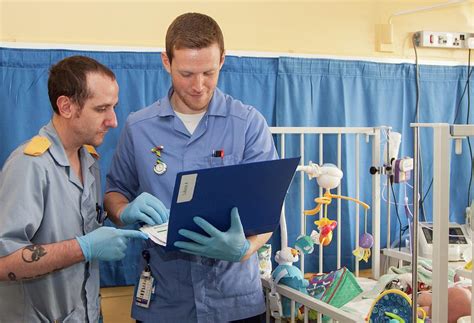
(222,161)
(209,162)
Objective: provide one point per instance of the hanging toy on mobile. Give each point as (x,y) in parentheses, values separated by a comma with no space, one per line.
(328,177)
(366,241)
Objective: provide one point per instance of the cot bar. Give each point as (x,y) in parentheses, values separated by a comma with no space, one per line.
(441,180)
(441,166)
(400,255)
(312,303)
(283,226)
(339,192)
(462,130)
(416,205)
(389,193)
(293,311)
(323,130)
(302,194)
(376,206)
(321,248)
(357,219)
(465,131)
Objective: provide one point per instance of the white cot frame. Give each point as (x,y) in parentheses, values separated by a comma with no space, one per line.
(372,134)
(443,136)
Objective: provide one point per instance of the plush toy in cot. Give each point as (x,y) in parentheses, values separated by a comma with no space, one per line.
(287,274)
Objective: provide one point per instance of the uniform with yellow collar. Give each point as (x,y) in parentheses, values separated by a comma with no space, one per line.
(43,201)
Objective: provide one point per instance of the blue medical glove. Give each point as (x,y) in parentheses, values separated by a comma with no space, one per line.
(230,245)
(145,208)
(107,243)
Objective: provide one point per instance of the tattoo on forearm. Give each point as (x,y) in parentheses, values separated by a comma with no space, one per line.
(33,253)
(12,275)
(41,275)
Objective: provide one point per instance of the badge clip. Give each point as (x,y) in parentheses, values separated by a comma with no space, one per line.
(160,166)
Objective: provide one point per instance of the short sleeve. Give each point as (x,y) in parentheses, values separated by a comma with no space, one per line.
(259,143)
(23,184)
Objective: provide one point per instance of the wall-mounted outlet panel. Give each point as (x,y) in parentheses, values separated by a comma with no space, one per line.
(440,39)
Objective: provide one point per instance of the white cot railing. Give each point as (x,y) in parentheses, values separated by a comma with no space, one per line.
(352,136)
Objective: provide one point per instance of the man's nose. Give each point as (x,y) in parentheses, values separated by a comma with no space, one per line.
(198,82)
(111,120)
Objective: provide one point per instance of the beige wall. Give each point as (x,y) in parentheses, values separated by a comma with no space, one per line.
(324,27)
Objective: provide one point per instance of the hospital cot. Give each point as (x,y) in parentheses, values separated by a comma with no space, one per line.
(337,140)
(442,138)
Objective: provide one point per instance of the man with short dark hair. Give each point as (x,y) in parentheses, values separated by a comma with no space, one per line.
(50,217)
(212,278)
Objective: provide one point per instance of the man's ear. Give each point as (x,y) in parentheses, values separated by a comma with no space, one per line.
(65,108)
(222,60)
(166,62)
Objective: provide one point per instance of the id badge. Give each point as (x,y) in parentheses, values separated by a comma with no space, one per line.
(145,290)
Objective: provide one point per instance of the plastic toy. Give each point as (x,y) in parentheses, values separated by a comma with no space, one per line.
(328,177)
(305,244)
(366,241)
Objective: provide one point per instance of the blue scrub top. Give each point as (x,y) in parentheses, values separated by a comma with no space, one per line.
(43,201)
(192,288)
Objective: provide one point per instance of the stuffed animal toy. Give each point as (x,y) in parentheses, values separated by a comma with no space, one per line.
(287,274)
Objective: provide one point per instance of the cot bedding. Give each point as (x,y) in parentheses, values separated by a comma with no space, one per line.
(360,305)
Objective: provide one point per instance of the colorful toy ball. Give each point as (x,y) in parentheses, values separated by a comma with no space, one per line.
(366,241)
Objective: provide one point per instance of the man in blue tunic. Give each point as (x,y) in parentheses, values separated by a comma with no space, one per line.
(216,278)
(50,217)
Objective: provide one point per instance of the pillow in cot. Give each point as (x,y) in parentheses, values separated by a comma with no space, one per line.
(336,288)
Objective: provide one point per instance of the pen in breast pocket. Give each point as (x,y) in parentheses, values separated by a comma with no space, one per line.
(218,153)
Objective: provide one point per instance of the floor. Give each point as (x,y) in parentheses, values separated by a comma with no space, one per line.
(116,304)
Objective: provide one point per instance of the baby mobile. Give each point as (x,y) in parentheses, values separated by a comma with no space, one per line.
(328,176)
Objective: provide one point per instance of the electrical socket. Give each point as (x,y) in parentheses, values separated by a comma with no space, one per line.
(441,39)
(470,42)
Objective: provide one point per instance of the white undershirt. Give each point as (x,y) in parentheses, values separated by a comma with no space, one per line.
(190,121)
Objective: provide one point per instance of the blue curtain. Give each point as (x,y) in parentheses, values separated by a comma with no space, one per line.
(336,93)
(287,91)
